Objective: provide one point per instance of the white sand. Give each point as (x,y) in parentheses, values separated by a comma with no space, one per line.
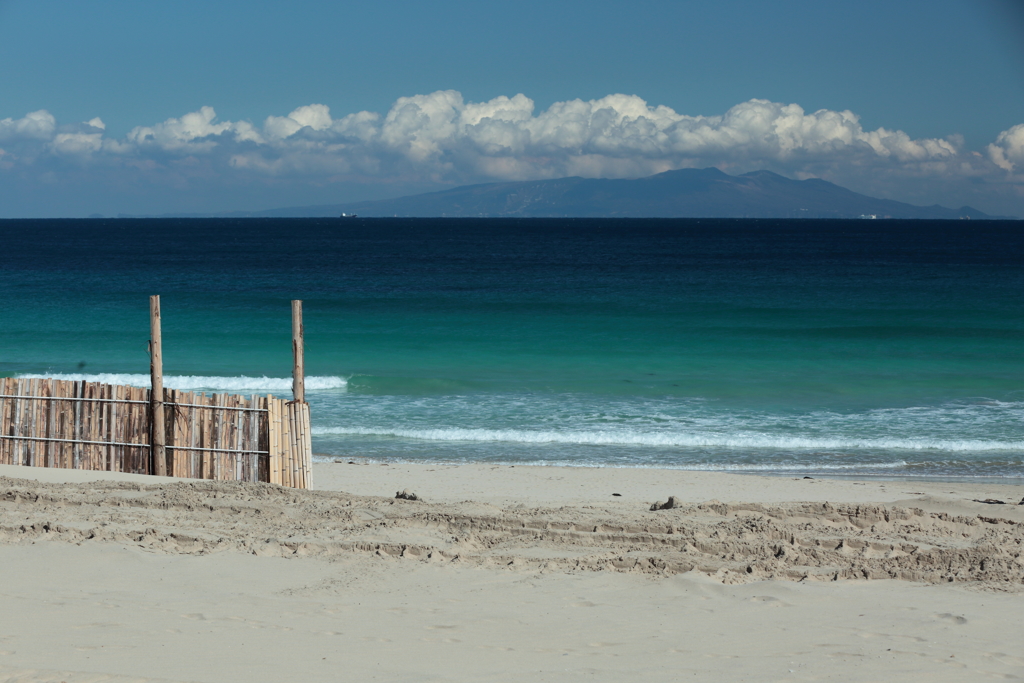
(525,573)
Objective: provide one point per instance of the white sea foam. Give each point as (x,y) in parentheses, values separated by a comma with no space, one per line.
(697,466)
(691,440)
(239,384)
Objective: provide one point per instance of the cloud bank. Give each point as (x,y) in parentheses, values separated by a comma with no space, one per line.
(440,139)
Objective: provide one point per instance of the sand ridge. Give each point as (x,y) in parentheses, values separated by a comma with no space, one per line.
(498,573)
(734,543)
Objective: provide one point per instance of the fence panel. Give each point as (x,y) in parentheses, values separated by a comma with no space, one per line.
(93,426)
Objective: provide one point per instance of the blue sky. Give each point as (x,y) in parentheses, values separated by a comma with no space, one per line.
(199,106)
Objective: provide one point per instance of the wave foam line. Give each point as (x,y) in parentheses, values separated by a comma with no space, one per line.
(259,385)
(690,467)
(609,438)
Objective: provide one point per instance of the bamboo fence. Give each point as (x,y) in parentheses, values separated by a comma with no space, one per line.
(93,426)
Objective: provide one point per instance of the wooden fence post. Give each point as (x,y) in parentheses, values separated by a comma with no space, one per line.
(298,369)
(156,392)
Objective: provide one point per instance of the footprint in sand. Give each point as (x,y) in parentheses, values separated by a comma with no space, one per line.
(958,620)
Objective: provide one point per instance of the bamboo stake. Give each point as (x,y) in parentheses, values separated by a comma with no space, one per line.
(13,425)
(7,422)
(182,458)
(67,425)
(234,459)
(307,449)
(263,440)
(203,427)
(254,438)
(48,410)
(218,434)
(12,388)
(93,433)
(26,423)
(16,418)
(124,421)
(286,444)
(244,441)
(300,442)
(173,469)
(142,459)
(247,459)
(78,391)
(273,441)
(50,407)
(85,458)
(26,417)
(27,430)
(297,446)
(67,422)
(111,428)
(195,437)
(12,404)
(132,454)
(116,417)
(30,424)
(28,413)
(43,424)
(40,451)
(57,452)
(256,430)
(296,413)
(3,420)
(281,428)
(240,458)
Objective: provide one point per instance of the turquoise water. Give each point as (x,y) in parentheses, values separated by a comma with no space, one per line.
(866,348)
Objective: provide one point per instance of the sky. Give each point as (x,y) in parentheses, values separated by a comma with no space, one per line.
(122,107)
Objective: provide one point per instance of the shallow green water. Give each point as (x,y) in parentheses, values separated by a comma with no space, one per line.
(868,347)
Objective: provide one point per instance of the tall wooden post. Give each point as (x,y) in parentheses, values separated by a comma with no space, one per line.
(298,368)
(156,393)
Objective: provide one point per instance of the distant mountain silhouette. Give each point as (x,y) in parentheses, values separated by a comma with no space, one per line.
(686,193)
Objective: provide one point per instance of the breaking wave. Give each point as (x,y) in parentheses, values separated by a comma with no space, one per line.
(655,439)
(239,384)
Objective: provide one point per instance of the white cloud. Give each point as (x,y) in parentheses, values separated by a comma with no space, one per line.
(440,138)
(314,116)
(1008,150)
(192,133)
(38,125)
(77,143)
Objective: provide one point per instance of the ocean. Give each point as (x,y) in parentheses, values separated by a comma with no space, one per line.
(793,347)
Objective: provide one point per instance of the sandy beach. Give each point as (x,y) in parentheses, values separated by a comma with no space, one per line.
(507,573)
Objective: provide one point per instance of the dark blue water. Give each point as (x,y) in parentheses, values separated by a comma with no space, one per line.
(889,348)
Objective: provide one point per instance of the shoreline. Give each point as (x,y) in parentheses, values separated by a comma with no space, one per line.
(539,485)
(449,482)
(326,459)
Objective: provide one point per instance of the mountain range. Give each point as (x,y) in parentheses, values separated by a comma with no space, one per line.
(689,193)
